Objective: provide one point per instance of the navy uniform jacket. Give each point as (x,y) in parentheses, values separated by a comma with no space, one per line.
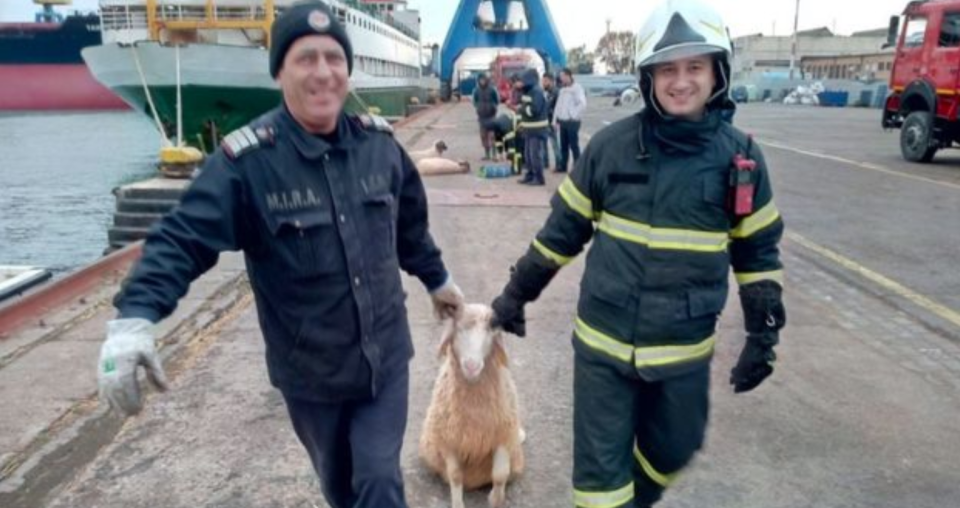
(325,227)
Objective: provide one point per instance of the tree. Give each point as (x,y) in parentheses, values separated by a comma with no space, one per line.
(616,50)
(579,61)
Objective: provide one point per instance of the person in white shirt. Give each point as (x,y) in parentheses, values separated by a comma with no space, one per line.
(566,117)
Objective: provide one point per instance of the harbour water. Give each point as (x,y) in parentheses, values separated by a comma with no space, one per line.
(57,171)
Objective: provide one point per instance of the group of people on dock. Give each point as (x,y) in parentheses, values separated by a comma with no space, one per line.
(328,208)
(541,116)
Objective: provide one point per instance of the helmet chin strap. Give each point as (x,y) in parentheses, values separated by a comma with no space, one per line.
(726,84)
(652,99)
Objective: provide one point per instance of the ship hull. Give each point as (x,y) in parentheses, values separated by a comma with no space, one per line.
(41,68)
(26,87)
(222,87)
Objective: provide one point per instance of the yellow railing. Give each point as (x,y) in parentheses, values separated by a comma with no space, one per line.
(176,18)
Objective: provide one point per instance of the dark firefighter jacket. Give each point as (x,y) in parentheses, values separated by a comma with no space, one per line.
(663,243)
(533,106)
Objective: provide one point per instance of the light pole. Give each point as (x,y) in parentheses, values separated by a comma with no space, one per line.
(793,46)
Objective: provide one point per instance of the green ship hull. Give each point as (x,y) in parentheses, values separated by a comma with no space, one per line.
(209,113)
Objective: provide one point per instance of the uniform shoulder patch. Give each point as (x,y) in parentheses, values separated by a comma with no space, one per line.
(375,123)
(246,139)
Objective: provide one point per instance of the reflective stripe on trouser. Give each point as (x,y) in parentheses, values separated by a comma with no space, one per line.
(650,362)
(669,432)
(616,416)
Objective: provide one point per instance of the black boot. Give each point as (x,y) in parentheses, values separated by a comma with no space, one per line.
(527,179)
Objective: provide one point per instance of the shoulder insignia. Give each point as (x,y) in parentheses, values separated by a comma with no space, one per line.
(246,139)
(375,123)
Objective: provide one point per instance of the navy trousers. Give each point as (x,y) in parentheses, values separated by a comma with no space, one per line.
(569,142)
(534,144)
(632,437)
(355,446)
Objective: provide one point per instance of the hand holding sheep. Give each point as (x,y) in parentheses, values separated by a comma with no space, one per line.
(447,300)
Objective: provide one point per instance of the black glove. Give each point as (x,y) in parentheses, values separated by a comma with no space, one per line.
(763,317)
(508,315)
(755,363)
(527,279)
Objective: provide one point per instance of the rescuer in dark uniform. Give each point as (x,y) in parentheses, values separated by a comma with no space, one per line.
(672,198)
(534,127)
(327,209)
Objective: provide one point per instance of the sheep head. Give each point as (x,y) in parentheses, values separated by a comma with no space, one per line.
(472,342)
(441,147)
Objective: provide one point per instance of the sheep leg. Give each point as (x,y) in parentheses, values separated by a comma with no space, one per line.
(501,473)
(455,478)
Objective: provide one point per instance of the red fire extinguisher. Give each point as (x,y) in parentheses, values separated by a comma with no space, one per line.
(743,181)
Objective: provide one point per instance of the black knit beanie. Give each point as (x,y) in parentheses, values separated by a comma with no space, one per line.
(310,17)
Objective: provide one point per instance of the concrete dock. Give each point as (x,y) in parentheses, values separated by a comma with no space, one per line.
(862,411)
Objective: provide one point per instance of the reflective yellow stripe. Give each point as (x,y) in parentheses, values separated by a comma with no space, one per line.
(747,278)
(534,125)
(526,98)
(602,342)
(609,499)
(663,238)
(559,259)
(664,480)
(642,357)
(756,222)
(575,199)
(658,356)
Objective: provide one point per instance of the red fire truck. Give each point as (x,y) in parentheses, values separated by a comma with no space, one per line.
(925,80)
(503,67)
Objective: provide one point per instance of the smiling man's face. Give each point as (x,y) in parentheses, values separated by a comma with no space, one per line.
(314,79)
(684,86)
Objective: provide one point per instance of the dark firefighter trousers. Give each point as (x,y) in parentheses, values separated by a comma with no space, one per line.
(355,446)
(632,437)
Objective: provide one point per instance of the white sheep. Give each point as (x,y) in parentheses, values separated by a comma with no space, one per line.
(430,161)
(434,151)
(472,435)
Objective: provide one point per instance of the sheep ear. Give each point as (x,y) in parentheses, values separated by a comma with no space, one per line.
(499,349)
(446,340)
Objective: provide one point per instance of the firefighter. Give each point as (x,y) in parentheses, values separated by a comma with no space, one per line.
(534,127)
(503,127)
(671,197)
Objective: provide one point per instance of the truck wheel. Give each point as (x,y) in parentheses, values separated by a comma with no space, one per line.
(916,137)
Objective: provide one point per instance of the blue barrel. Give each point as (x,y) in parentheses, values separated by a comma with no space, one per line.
(496,170)
(834,98)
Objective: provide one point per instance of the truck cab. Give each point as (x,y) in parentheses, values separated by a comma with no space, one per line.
(925,79)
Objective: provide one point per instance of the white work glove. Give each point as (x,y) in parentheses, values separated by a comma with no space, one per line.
(129,344)
(447,300)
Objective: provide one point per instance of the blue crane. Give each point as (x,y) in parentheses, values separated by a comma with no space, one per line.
(470,30)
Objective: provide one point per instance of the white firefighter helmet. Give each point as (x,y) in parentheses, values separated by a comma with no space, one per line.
(679,29)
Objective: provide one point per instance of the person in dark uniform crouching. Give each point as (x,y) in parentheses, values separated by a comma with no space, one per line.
(327,209)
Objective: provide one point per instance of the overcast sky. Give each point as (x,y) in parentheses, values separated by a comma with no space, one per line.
(581,22)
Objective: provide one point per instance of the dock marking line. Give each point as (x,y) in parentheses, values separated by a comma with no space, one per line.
(924,302)
(862,165)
